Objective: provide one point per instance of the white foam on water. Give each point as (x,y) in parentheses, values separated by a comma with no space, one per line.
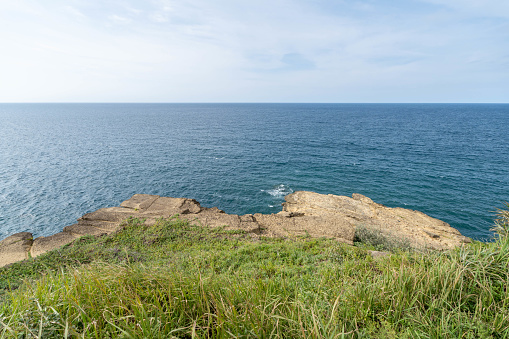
(279,191)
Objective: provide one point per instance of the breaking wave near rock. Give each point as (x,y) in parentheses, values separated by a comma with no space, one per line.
(279,191)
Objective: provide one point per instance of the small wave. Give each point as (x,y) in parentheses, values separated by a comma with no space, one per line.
(279,191)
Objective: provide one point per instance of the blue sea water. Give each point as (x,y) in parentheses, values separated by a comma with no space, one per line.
(60,161)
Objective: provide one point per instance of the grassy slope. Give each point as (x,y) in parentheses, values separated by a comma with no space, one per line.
(176,279)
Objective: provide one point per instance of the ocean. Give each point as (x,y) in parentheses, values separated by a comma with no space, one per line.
(60,161)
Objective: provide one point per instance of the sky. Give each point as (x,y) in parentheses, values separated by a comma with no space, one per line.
(254,51)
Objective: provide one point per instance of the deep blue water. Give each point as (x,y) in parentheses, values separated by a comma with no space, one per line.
(59,161)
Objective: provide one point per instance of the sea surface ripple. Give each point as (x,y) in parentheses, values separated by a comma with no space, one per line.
(60,161)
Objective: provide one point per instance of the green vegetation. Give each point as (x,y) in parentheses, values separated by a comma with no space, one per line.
(380,241)
(175,279)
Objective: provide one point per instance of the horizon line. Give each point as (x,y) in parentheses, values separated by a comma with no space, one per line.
(250,102)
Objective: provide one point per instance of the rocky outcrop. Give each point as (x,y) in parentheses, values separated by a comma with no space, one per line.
(341,216)
(304,214)
(15,248)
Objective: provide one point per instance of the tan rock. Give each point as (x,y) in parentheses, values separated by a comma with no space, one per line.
(106,226)
(303,214)
(419,229)
(212,218)
(286,224)
(78,230)
(111,214)
(15,248)
(139,201)
(44,244)
(167,207)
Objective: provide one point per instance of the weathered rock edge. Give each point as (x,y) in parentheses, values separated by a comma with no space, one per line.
(304,213)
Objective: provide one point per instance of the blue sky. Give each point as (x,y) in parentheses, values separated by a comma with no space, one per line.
(254,51)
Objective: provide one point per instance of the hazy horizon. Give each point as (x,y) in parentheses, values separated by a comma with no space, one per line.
(258,103)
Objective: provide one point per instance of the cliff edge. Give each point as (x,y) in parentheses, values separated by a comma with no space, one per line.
(304,213)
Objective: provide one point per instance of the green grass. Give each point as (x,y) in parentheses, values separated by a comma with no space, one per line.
(175,279)
(376,239)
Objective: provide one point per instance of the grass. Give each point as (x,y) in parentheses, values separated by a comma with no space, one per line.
(175,279)
(371,237)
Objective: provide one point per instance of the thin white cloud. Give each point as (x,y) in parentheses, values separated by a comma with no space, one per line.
(196,50)
(119,19)
(476,8)
(133,10)
(162,12)
(75,12)
(158,17)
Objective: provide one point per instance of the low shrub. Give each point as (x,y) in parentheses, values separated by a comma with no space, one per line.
(381,240)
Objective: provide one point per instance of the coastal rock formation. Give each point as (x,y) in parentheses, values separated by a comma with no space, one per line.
(15,248)
(303,214)
(346,216)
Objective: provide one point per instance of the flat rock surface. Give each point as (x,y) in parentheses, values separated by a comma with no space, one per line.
(44,244)
(303,214)
(15,248)
(361,213)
